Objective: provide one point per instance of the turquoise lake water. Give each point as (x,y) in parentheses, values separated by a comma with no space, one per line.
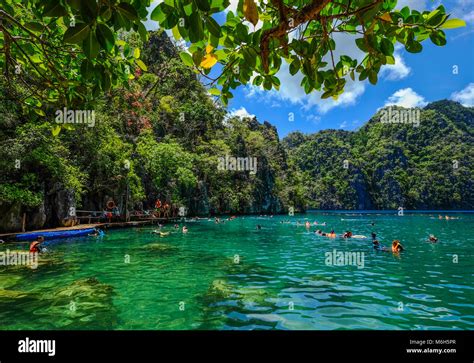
(233,276)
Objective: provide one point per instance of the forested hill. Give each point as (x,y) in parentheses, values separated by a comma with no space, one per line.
(391,165)
(164,137)
(160,138)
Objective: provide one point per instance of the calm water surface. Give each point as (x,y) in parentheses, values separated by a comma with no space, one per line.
(233,276)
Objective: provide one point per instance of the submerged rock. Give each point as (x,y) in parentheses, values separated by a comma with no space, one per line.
(12,294)
(84,304)
(8,280)
(220,289)
(250,296)
(86,287)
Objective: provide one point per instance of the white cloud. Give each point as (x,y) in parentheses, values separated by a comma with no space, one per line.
(407,98)
(417,5)
(315,119)
(343,124)
(397,71)
(464,9)
(465,96)
(291,90)
(241,112)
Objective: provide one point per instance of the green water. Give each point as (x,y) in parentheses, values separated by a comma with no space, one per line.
(233,276)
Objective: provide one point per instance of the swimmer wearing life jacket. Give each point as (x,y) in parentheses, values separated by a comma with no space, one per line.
(397,246)
(35,246)
(332,234)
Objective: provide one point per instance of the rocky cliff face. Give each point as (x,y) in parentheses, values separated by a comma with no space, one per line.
(391,165)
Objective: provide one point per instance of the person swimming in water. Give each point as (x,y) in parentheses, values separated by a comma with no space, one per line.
(432,239)
(307,224)
(374,236)
(348,234)
(397,246)
(259,227)
(185,229)
(378,246)
(176,226)
(97,233)
(35,246)
(331,234)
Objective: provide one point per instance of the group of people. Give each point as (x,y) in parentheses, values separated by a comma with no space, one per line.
(445,217)
(397,247)
(162,234)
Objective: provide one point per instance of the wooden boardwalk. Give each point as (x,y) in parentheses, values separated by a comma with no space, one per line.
(106,225)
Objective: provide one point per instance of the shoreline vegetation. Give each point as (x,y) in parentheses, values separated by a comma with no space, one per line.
(163,140)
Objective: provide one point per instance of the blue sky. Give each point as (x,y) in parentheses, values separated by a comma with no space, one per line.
(415,79)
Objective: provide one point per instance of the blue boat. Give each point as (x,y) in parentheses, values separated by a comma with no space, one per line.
(54,234)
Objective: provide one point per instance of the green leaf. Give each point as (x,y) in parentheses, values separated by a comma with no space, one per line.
(373,77)
(213,27)
(128,11)
(90,46)
(77,34)
(294,67)
(75,4)
(34,26)
(267,83)
(105,37)
(214,91)
(360,42)
(186,58)
(453,23)
(56,130)
(143,32)
(249,57)
(438,38)
(53,8)
(88,9)
(390,59)
(142,65)
(87,69)
(413,47)
(195,28)
(203,5)
(176,33)
(136,53)
(160,13)
(39,111)
(386,46)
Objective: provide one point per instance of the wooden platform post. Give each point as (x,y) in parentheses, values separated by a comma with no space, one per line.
(23,223)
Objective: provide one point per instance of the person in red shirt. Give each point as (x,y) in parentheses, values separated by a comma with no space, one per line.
(35,245)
